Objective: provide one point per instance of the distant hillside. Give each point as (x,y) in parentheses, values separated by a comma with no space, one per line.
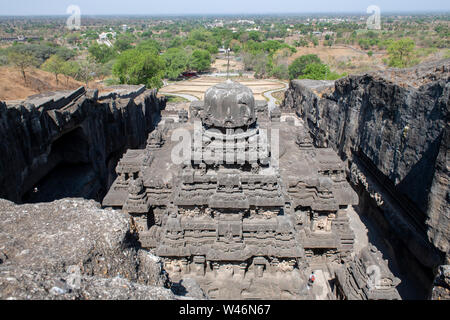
(12,86)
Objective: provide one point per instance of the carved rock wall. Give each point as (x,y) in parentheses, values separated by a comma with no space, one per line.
(80,127)
(394,126)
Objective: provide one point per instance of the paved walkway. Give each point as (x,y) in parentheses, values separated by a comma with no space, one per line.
(181,95)
(272,99)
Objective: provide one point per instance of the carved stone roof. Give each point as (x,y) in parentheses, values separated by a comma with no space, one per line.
(229,105)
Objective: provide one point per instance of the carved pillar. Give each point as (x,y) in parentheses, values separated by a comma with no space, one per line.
(215,267)
(330,220)
(314,221)
(168,265)
(292,264)
(185,266)
(200,265)
(274,264)
(242,269)
(260,265)
(342,212)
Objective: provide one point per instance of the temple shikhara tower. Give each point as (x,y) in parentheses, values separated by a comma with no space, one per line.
(239,198)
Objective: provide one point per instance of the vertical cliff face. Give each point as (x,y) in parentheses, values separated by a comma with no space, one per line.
(68,143)
(393,128)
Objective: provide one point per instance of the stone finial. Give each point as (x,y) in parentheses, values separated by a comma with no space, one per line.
(229,105)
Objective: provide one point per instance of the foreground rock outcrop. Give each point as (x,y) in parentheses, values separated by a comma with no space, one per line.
(441,289)
(67,144)
(393,130)
(71,249)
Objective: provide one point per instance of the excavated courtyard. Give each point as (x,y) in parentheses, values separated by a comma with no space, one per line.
(353,130)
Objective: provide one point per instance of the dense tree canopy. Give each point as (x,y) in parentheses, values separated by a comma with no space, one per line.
(401,53)
(101,53)
(297,68)
(319,71)
(200,60)
(41,52)
(136,66)
(124,42)
(150,45)
(22,61)
(177,61)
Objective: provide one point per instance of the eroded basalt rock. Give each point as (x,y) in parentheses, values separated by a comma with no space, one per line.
(71,249)
(393,129)
(79,130)
(23,284)
(441,289)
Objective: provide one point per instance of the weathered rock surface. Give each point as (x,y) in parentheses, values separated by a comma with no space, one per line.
(393,128)
(71,249)
(189,288)
(441,290)
(22,284)
(77,129)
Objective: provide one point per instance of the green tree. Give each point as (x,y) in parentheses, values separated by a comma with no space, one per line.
(101,53)
(301,43)
(200,60)
(150,45)
(315,71)
(55,65)
(201,35)
(176,62)
(3,57)
(105,69)
(280,72)
(70,69)
(297,68)
(401,53)
(262,65)
(86,71)
(140,67)
(255,35)
(65,53)
(319,71)
(124,42)
(176,42)
(22,61)
(280,63)
(328,43)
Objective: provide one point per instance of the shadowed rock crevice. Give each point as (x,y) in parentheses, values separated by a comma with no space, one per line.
(66,144)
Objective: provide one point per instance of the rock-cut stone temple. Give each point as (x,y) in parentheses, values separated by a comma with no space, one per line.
(252,208)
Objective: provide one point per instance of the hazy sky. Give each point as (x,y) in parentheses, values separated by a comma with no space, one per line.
(158,7)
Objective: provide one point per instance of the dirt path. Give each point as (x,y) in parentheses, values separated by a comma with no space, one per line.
(269,95)
(181,95)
